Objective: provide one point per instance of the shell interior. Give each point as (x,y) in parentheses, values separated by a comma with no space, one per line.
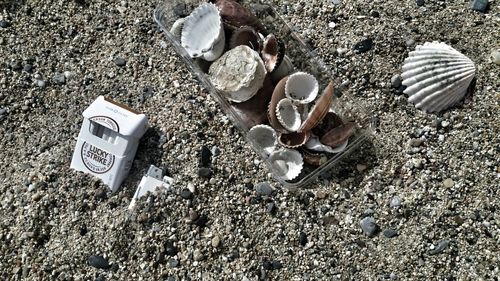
(245,35)
(287,163)
(301,87)
(315,145)
(437,76)
(263,138)
(288,115)
(284,68)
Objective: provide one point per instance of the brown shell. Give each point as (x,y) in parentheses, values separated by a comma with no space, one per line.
(278,94)
(315,159)
(253,111)
(235,15)
(338,134)
(294,140)
(330,121)
(246,35)
(273,52)
(320,109)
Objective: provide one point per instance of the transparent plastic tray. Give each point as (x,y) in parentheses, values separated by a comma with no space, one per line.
(302,58)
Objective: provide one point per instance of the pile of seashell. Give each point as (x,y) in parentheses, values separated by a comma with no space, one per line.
(289,123)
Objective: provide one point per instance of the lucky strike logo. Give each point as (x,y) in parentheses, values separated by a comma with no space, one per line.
(96,159)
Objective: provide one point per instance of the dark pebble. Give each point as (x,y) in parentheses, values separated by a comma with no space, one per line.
(233,256)
(148,92)
(271,208)
(249,185)
(369,226)
(4,24)
(2,111)
(263,188)
(205,155)
(170,249)
(173,263)
(120,62)
(420,3)
(302,238)
(204,172)
(186,194)
(83,229)
(267,265)
(98,262)
(28,67)
(201,221)
(396,81)
(375,14)
(276,265)
(441,246)
(364,45)
(390,233)
(100,278)
(479,5)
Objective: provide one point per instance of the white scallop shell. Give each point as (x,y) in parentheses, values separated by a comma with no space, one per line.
(286,163)
(315,145)
(301,87)
(203,33)
(288,115)
(238,74)
(437,76)
(263,138)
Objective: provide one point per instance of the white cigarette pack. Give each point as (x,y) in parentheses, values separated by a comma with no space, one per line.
(108,140)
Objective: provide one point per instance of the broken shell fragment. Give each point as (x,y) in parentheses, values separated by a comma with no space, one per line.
(238,74)
(288,115)
(338,135)
(437,76)
(294,140)
(278,95)
(301,87)
(285,68)
(315,145)
(263,138)
(235,15)
(203,34)
(286,163)
(320,109)
(245,35)
(273,52)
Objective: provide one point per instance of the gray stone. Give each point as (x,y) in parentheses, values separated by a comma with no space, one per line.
(364,45)
(204,172)
(495,57)
(264,188)
(479,5)
(197,255)
(120,62)
(186,194)
(369,226)
(98,262)
(390,233)
(3,111)
(41,83)
(396,81)
(420,3)
(59,78)
(4,24)
(173,263)
(395,202)
(441,246)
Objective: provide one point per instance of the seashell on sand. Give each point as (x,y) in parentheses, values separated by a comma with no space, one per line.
(273,52)
(263,138)
(278,94)
(286,163)
(238,74)
(314,144)
(235,15)
(301,87)
(288,115)
(203,33)
(254,111)
(294,140)
(285,68)
(338,135)
(245,35)
(436,76)
(320,109)
(176,28)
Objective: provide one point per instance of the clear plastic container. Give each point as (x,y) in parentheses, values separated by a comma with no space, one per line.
(302,58)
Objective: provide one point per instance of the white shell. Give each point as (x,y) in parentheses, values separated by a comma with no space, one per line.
(437,76)
(263,137)
(315,145)
(203,33)
(176,28)
(288,115)
(285,68)
(286,163)
(301,87)
(238,74)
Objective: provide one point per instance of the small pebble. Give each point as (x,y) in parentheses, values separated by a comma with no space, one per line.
(16,65)
(83,229)
(302,238)
(276,265)
(58,78)
(495,57)
(448,183)
(445,124)
(396,81)
(442,245)
(2,111)
(369,226)
(479,5)
(264,188)
(364,45)
(170,249)
(186,194)
(98,262)
(336,2)
(41,83)
(420,3)
(173,263)
(120,62)
(4,24)
(100,278)
(361,167)
(395,202)
(416,142)
(205,155)
(204,172)
(331,24)
(197,255)
(271,208)
(390,233)
(201,221)
(28,68)
(216,241)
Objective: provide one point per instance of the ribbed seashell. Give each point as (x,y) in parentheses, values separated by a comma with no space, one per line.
(203,33)
(278,94)
(176,28)
(294,139)
(246,35)
(273,52)
(254,111)
(263,138)
(238,74)
(313,158)
(288,115)
(315,145)
(285,68)
(338,135)
(320,109)
(235,15)
(437,76)
(286,163)
(301,87)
